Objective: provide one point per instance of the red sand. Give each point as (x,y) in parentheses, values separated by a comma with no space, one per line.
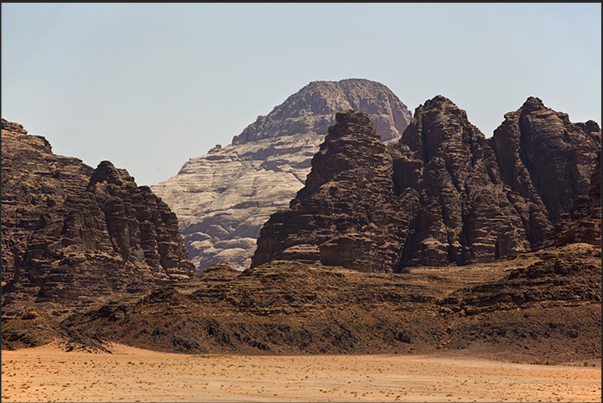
(130,374)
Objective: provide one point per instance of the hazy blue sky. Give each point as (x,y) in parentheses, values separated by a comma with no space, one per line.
(148,86)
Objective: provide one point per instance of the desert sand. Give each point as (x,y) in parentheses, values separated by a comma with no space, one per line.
(133,375)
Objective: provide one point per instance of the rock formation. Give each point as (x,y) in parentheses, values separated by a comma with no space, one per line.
(73,236)
(583,222)
(550,162)
(546,158)
(348,213)
(223,198)
(443,194)
(465,215)
(539,305)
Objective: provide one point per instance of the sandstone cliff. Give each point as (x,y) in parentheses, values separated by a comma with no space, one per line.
(550,162)
(348,213)
(465,215)
(443,195)
(73,236)
(546,158)
(223,198)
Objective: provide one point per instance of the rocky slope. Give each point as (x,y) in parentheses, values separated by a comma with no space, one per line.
(223,198)
(73,236)
(442,195)
(538,306)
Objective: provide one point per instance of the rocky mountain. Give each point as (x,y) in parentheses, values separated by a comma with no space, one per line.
(74,236)
(537,306)
(92,258)
(442,195)
(555,164)
(348,214)
(546,158)
(223,198)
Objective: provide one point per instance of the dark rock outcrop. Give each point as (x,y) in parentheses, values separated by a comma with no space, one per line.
(465,215)
(222,199)
(73,236)
(348,213)
(555,166)
(583,222)
(142,228)
(543,304)
(546,158)
(443,195)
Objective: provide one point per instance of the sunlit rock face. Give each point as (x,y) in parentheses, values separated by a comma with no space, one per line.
(444,194)
(224,197)
(546,158)
(555,165)
(74,236)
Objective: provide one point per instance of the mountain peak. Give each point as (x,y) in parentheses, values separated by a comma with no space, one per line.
(312,109)
(106,172)
(438,196)
(268,163)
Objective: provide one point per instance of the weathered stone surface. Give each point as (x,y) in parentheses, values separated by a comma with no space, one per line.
(547,160)
(223,198)
(583,222)
(347,214)
(465,214)
(73,236)
(142,228)
(437,197)
(539,305)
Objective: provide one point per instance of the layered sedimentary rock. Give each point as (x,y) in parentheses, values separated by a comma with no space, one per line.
(546,158)
(544,304)
(550,162)
(223,198)
(583,222)
(465,215)
(73,236)
(443,195)
(348,213)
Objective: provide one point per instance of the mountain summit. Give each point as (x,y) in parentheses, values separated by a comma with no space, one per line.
(224,197)
(444,194)
(74,236)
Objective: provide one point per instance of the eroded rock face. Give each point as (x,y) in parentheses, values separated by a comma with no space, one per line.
(73,236)
(541,304)
(547,160)
(142,228)
(540,152)
(347,214)
(222,199)
(583,222)
(465,214)
(440,196)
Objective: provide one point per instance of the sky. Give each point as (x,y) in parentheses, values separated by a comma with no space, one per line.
(149,86)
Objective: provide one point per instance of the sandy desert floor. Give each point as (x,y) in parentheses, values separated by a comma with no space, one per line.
(133,375)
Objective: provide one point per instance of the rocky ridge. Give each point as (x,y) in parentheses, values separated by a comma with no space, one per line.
(442,195)
(223,198)
(73,236)
(347,214)
(528,305)
(555,165)
(536,306)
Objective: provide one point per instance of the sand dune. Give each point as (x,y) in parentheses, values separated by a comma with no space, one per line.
(129,374)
